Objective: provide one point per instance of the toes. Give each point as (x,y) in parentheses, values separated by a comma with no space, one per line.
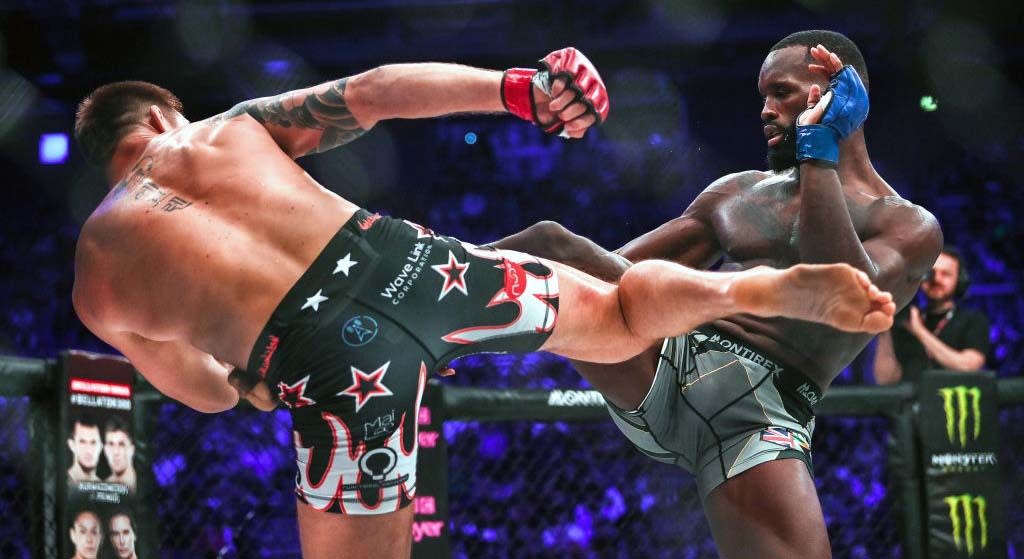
(876,295)
(877,321)
(863,279)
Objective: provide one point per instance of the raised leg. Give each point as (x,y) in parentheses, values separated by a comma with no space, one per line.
(603,323)
(626,383)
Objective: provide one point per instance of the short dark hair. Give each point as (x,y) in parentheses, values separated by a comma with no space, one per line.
(80,511)
(838,43)
(954,252)
(109,112)
(117,423)
(85,420)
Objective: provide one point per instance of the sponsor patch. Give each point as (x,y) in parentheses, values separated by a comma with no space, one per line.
(786,438)
(268,354)
(359,331)
(367,222)
(515,279)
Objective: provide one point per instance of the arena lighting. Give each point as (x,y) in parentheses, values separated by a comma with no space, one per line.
(470,138)
(929,103)
(53,148)
(277,67)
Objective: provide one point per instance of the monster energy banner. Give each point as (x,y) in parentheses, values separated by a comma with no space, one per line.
(101,510)
(959,422)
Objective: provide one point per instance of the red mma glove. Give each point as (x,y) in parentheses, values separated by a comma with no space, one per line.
(569,64)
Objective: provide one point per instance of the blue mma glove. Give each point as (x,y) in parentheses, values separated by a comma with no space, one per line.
(846,110)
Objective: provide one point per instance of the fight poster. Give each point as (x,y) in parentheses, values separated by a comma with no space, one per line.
(959,426)
(102,512)
(430,507)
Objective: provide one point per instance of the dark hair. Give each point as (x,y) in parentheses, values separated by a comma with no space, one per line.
(85,420)
(838,43)
(109,112)
(117,423)
(954,252)
(78,512)
(963,278)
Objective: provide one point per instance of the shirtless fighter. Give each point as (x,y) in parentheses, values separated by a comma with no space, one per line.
(219,267)
(731,401)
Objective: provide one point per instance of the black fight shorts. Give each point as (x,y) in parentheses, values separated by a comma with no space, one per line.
(349,348)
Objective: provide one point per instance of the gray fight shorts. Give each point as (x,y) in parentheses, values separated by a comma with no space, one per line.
(718,407)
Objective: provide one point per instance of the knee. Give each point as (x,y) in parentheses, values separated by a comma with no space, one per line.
(636,291)
(638,280)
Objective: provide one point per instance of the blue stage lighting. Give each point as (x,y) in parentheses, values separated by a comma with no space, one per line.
(470,138)
(53,148)
(277,67)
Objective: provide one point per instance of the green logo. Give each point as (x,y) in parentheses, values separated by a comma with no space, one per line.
(963,510)
(955,404)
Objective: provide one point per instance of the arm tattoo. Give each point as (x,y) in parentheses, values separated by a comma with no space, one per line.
(140,188)
(326,111)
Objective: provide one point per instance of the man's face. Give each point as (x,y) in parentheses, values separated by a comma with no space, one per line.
(85,445)
(122,537)
(86,535)
(942,283)
(119,450)
(784,83)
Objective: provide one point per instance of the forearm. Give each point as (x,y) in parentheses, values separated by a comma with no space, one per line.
(422,90)
(887,367)
(825,231)
(203,385)
(946,356)
(552,241)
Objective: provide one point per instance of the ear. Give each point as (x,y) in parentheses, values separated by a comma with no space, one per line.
(158,120)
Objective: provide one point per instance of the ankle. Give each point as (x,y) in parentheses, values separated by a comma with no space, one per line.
(753,291)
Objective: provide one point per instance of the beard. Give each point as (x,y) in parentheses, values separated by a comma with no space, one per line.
(937,296)
(782,156)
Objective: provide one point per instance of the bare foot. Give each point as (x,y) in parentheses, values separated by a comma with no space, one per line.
(838,295)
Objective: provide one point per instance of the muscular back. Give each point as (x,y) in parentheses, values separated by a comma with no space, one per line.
(203,237)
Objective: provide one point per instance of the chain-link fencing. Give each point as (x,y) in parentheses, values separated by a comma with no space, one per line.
(15,484)
(517,489)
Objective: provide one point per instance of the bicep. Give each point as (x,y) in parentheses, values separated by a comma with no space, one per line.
(902,255)
(690,239)
(308,120)
(893,270)
(686,240)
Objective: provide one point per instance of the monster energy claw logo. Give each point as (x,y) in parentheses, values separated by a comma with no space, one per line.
(963,510)
(955,402)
